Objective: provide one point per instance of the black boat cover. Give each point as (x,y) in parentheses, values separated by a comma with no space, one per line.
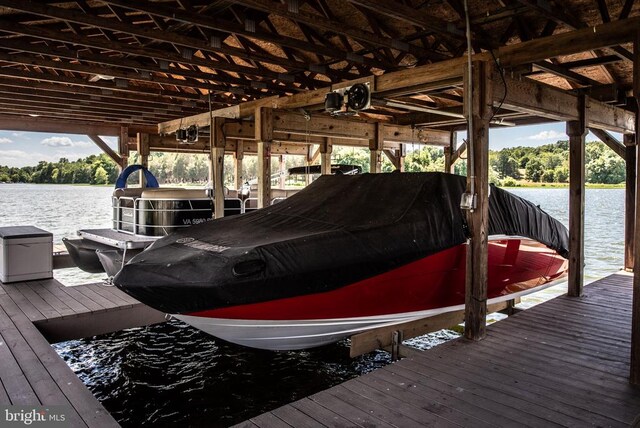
(339,230)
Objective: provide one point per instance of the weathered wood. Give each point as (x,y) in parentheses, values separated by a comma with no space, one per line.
(576,130)
(142,147)
(630,200)
(476,278)
(634,375)
(375,148)
(217,144)
(325,149)
(610,141)
(238,159)
(123,146)
(105,148)
(379,338)
(528,96)
(586,39)
(264,136)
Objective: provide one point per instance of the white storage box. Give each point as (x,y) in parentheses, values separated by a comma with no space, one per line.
(26,253)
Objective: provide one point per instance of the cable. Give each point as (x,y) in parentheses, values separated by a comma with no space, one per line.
(504,82)
(470,154)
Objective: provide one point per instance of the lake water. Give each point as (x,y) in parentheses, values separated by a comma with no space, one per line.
(172,374)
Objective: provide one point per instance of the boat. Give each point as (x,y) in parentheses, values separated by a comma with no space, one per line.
(346,254)
(141,215)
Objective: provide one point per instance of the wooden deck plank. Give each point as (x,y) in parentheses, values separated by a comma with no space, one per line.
(50,370)
(44,307)
(95,297)
(81,298)
(112,290)
(107,293)
(410,415)
(355,415)
(25,305)
(70,301)
(294,417)
(564,362)
(320,413)
(438,405)
(45,388)
(585,409)
(4,398)
(46,294)
(16,386)
(609,385)
(269,420)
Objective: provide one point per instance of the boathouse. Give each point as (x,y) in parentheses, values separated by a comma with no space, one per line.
(270,78)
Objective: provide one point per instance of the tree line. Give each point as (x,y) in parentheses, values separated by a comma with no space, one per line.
(543,164)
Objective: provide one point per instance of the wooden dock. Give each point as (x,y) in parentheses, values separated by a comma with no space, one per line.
(34,313)
(561,363)
(64,313)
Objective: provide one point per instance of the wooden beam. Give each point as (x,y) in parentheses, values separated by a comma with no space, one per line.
(264,137)
(216,24)
(529,96)
(629,200)
(38,124)
(582,40)
(106,149)
(610,141)
(204,119)
(576,130)
(478,218)
(381,337)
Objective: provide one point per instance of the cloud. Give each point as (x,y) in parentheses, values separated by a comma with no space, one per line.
(547,135)
(63,142)
(4,140)
(20,158)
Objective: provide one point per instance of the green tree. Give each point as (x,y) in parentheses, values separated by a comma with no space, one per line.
(101,176)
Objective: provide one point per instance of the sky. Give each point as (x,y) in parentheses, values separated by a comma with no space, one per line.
(28,148)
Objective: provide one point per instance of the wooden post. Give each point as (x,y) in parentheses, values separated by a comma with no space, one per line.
(282,170)
(123,146)
(143,153)
(239,157)
(634,376)
(478,218)
(264,136)
(576,130)
(217,143)
(448,152)
(375,147)
(309,161)
(326,148)
(630,200)
(401,153)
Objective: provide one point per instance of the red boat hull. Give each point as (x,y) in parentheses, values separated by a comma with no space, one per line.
(430,285)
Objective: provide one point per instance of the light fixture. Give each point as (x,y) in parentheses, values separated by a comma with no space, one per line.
(349,100)
(187,135)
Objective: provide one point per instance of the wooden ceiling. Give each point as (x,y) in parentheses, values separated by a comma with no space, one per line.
(138,63)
